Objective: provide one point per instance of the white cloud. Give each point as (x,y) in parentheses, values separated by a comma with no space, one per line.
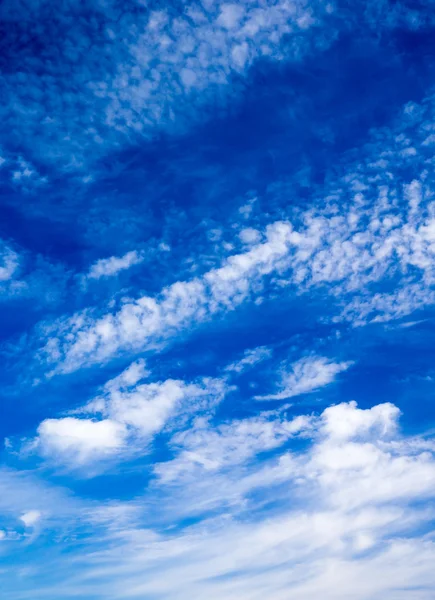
(306,375)
(80,440)
(367,230)
(346,517)
(211,449)
(9,262)
(250,358)
(126,416)
(346,421)
(108,267)
(149,406)
(250,235)
(31,517)
(150,68)
(134,373)
(230,15)
(144,321)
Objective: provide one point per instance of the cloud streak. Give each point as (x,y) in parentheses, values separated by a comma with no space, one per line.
(306,375)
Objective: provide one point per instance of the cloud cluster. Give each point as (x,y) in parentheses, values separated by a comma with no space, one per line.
(101,73)
(369,243)
(147,320)
(126,416)
(349,510)
(198,492)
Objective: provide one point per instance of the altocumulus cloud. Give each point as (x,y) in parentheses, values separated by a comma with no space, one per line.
(145,68)
(217,285)
(369,230)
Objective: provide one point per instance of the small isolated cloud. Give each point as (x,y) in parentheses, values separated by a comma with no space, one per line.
(31,517)
(346,421)
(250,358)
(250,235)
(306,375)
(108,267)
(79,440)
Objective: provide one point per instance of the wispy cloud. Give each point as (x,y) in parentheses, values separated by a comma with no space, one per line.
(306,375)
(9,262)
(108,267)
(351,518)
(249,359)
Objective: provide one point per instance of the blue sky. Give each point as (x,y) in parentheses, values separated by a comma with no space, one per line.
(217,289)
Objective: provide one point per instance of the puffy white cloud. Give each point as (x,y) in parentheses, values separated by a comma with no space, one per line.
(356,459)
(80,440)
(149,406)
(345,421)
(306,375)
(346,517)
(126,416)
(250,235)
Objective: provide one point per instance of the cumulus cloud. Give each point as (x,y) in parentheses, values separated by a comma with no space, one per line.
(353,512)
(345,421)
(126,416)
(80,440)
(306,375)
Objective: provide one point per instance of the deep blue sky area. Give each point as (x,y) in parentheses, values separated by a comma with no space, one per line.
(217,290)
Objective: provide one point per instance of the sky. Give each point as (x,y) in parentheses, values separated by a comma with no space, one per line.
(217,245)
